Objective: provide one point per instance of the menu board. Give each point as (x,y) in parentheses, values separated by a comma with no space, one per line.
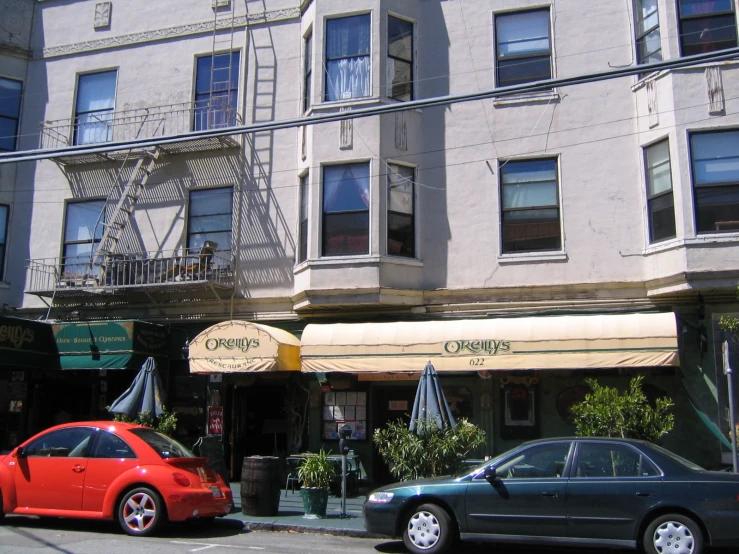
(345,408)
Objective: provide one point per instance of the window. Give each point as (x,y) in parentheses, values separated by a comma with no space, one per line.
(83,230)
(612,460)
(210,218)
(93,115)
(303,231)
(523,47)
(347,57)
(345,209)
(71,443)
(10,109)
(110,446)
(163,445)
(715,159)
(307,72)
(400,211)
(544,462)
(706,26)
(648,40)
(4,210)
(216,91)
(530,204)
(399,59)
(660,204)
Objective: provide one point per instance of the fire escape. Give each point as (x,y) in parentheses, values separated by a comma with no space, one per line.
(111,267)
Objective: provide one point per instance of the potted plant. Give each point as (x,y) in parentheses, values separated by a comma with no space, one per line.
(315,474)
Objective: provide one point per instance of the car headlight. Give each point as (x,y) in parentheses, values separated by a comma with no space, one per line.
(380,497)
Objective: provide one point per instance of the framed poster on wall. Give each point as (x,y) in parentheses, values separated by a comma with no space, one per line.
(518,404)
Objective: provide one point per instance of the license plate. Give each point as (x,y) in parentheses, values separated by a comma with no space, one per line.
(216,492)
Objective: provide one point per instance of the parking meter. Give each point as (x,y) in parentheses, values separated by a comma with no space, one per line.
(345,433)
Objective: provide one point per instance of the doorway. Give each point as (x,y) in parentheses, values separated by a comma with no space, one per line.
(388,405)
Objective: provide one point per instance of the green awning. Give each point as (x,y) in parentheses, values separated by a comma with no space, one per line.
(25,343)
(109,344)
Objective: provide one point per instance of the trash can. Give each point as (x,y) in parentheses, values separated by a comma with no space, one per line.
(260,486)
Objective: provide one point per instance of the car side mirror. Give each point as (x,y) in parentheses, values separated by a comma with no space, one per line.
(20,452)
(491,473)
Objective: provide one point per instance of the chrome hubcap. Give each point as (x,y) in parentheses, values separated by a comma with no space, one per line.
(424,530)
(674,538)
(139,511)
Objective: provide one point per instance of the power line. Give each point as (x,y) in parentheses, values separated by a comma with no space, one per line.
(501,92)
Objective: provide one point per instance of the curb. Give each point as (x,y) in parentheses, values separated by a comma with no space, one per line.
(292,528)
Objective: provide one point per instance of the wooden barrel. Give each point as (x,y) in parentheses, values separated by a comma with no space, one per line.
(260,486)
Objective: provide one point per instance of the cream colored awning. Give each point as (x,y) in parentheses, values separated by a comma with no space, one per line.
(241,346)
(557,342)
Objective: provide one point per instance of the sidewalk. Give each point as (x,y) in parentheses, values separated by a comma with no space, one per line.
(290,516)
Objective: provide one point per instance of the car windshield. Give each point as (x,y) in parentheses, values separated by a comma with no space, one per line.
(679,459)
(165,446)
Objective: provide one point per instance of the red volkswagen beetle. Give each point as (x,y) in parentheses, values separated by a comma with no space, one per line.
(110,470)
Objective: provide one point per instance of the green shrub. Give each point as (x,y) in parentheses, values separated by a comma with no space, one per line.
(607,413)
(165,423)
(317,471)
(428,451)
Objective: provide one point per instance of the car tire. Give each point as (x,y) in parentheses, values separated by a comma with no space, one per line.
(673,533)
(141,511)
(428,530)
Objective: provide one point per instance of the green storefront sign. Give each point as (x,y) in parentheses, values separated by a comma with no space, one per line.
(109,344)
(26,343)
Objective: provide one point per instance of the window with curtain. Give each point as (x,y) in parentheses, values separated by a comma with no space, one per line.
(648,39)
(400,211)
(523,47)
(345,209)
(83,230)
(347,57)
(530,206)
(10,110)
(660,202)
(4,210)
(307,71)
(715,160)
(216,91)
(210,218)
(303,231)
(399,59)
(93,117)
(706,26)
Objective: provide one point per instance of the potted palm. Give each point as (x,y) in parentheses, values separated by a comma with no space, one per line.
(315,474)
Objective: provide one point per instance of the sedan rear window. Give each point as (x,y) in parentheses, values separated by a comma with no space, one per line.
(679,459)
(165,446)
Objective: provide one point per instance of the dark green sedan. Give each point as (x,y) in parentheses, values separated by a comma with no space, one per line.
(579,491)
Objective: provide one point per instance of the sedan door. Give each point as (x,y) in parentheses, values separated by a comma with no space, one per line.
(613,485)
(50,474)
(110,457)
(528,499)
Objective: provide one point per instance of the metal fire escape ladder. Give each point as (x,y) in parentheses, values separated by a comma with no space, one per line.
(124,208)
(221,68)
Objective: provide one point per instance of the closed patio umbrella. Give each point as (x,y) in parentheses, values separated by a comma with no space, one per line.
(430,403)
(144,395)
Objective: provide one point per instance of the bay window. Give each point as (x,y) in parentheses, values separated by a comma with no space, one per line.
(399,59)
(660,202)
(706,26)
(648,39)
(400,211)
(348,64)
(345,224)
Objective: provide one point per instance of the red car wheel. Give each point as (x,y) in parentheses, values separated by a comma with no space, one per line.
(140,511)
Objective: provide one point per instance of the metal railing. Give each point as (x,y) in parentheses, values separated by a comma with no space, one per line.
(128,271)
(139,123)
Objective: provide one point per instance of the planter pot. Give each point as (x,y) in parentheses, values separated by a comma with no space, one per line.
(314,502)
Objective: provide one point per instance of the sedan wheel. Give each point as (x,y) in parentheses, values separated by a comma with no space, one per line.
(140,512)
(673,534)
(428,530)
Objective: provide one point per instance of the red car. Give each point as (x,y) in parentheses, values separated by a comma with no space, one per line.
(110,470)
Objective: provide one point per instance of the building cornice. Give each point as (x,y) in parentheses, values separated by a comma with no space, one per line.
(167,33)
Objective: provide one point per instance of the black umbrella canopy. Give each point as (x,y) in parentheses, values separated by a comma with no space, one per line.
(430,403)
(144,395)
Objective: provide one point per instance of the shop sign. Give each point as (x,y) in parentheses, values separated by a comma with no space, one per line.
(215,420)
(476,347)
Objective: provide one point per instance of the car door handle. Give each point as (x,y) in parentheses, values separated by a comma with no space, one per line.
(545,493)
(643,494)
(78,469)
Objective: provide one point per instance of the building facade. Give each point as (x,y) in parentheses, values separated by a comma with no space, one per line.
(601,201)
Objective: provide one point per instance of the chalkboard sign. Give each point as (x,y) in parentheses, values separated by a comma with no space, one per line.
(212,448)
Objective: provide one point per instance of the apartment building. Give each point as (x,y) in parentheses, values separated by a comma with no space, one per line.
(297,277)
